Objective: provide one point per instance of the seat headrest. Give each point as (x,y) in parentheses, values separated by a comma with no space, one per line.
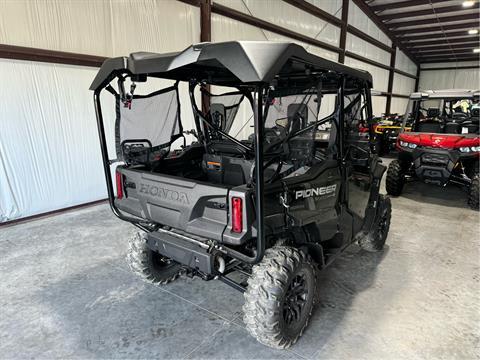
(297,116)
(433,112)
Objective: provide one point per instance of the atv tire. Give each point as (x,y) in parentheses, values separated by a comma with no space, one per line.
(473,193)
(375,239)
(151,266)
(280,297)
(395,178)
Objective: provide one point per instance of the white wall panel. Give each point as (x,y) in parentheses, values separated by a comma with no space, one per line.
(49,150)
(379,104)
(333,7)
(449,79)
(403,85)
(99,27)
(380,76)
(402,62)
(287,16)
(365,49)
(399,105)
(357,18)
(226,29)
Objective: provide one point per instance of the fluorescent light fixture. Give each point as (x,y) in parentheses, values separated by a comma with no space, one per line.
(467,4)
(476,50)
(472,31)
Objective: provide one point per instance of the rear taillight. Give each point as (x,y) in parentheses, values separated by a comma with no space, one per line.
(119,181)
(237,215)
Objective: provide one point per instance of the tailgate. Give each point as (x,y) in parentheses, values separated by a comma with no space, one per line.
(196,208)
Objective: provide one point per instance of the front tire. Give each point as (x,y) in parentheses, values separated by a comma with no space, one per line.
(375,239)
(473,193)
(280,297)
(151,266)
(395,178)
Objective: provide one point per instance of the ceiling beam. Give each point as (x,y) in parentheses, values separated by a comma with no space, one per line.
(448,35)
(441,10)
(447,55)
(402,4)
(452,68)
(471,40)
(449,59)
(444,47)
(445,51)
(470,25)
(433,21)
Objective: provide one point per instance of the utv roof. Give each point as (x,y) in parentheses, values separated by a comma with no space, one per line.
(227,63)
(448,93)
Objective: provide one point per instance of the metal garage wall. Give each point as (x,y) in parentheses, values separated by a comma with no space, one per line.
(402,62)
(281,14)
(49,151)
(99,27)
(380,82)
(402,85)
(449,79)
(357,18)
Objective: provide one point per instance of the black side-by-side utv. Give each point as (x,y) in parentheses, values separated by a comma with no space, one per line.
(268,186)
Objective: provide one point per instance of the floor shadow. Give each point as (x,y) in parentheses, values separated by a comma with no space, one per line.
(105,312)
(450,195)
(338,286)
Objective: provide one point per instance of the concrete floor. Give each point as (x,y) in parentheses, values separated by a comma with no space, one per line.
(66,292)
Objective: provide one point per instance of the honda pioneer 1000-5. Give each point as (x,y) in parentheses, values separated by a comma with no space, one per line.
(442,145)
(243,156)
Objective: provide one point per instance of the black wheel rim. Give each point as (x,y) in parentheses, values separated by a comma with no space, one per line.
(295,300)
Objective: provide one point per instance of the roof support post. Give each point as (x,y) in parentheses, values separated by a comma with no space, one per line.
(391,74)
(417,80)
(343,32)
(205,20)
(206,36)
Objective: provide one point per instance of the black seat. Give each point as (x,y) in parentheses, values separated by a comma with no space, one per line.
(430,126)
(452,128)
(226,170)
(433,113)
(297,116)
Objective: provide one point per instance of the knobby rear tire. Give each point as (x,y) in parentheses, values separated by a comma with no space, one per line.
(151,266)
(271,297)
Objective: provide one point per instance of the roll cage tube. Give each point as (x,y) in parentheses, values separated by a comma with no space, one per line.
(145,226)
(199,115)
(259,128)
(259,186)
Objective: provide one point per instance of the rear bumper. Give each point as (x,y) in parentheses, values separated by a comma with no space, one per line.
(188,253)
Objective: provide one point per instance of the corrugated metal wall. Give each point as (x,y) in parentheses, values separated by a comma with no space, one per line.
(449,79)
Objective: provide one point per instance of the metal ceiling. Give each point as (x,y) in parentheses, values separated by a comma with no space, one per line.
(431,30)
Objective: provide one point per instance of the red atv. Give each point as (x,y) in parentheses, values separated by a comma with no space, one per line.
(443,145)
